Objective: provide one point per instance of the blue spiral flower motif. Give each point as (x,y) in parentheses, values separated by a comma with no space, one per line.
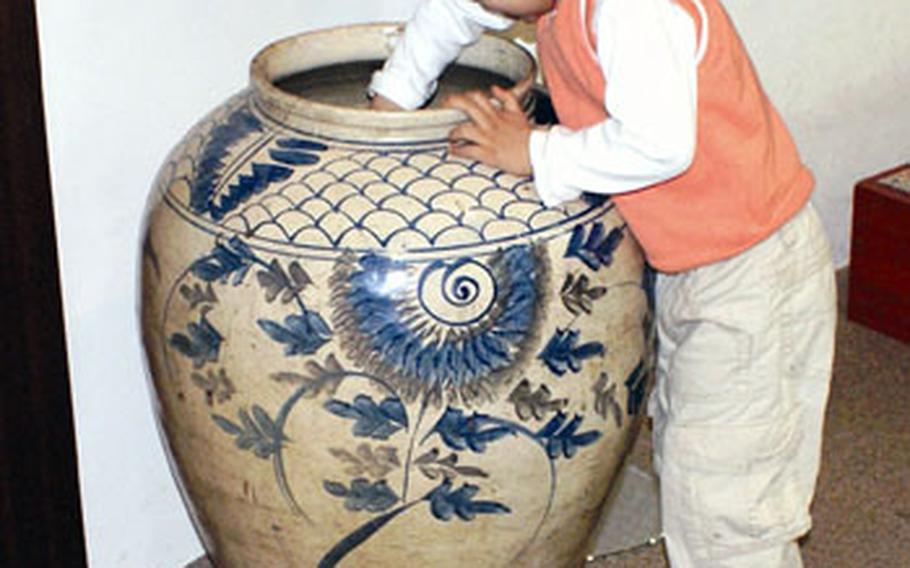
(459,294)
(456,328)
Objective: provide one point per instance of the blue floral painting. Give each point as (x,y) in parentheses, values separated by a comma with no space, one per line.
(427,340)
(397,319)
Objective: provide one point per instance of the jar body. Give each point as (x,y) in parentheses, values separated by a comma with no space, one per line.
(366,352)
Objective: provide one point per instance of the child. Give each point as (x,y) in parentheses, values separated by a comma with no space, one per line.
(660,107)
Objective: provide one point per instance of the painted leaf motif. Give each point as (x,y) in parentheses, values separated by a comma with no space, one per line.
(470,471)
(578,296)
(258,432)
(597,248)
(445,504)
(227,425)
(605,402)
(217,387)
(371,420)
(299,277)
(301,334)
(560,438)
(433,467)
(534,404)
(273,280)
(195,295)
(276,281)
(265,424)
(377,463)
(201,343)
(294,157)
(561,354)
(318,377)
(363,495)
(429,457)
(226,259)
(335,488)
(474,432)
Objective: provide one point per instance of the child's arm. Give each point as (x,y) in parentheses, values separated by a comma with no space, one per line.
(432,39)
(648,53)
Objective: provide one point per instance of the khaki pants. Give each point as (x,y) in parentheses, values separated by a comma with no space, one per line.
(746,348)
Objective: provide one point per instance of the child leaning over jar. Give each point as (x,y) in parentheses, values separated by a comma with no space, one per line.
(659,106)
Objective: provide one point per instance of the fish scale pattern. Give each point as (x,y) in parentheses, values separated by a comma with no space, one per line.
(365,199)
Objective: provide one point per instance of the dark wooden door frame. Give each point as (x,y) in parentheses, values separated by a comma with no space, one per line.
(40,512)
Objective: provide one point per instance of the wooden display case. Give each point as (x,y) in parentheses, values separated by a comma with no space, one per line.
(879,290)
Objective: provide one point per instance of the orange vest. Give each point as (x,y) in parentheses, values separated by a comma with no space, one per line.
(746,178)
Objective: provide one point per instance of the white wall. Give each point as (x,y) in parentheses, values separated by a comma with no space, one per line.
(124,80)
(839,70)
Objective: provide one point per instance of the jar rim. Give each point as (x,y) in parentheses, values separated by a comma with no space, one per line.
(361,42)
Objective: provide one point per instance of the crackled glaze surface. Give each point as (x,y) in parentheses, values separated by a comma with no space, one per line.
(367,352)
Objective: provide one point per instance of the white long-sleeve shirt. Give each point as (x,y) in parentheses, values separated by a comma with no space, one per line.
(648,52)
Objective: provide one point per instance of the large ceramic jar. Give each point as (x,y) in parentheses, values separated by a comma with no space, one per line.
(366,352)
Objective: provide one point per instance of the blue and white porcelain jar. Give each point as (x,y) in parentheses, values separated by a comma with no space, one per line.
(369,353)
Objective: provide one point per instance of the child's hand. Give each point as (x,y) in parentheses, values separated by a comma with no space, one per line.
(379,102)
(497,133)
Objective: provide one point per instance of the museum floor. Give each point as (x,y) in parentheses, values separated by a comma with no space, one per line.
(862,506)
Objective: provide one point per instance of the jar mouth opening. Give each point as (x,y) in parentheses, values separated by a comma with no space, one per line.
(275,68)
